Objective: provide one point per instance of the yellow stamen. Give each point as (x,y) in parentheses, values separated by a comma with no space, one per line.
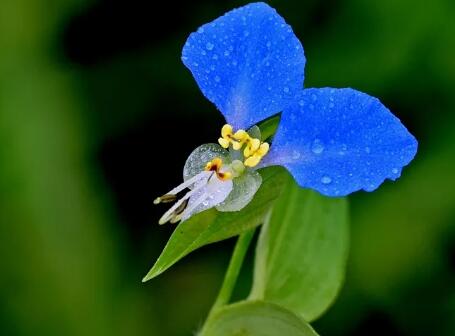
(263,149)
(223,143)
(215,166)
(226,136)
(252,161)
(253,149)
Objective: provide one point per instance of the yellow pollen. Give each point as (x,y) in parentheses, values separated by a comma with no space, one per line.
(253,149)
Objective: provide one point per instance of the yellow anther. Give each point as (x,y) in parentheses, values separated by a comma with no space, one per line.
(239,139)
(236,145)
(215,166)
(263,149)
(253,149)
(241,135)
(224,176)
(252,161)
(226,136)
(251,146)
(255,156)
(223,142)
(226,131)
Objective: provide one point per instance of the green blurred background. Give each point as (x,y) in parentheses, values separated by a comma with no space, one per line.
(92,99)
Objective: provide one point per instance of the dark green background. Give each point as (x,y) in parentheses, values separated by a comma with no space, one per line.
(97,115)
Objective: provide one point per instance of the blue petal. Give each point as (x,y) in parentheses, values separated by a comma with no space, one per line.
(338,141)
(248,62)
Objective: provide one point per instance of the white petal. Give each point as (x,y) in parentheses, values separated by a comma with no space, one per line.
(214,193)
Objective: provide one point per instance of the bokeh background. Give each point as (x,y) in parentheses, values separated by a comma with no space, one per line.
(94,102)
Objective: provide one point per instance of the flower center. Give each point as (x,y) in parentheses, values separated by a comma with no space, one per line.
(215,166)
(253,149)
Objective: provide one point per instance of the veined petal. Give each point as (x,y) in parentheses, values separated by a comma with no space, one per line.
(338,141)
(200,156)
(248,62)
(243,190)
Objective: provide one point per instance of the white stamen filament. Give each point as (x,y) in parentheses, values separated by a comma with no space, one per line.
(198,178)
(188,183)
(194,205)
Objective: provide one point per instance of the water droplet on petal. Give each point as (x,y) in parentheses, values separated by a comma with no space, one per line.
(209,46)
(367,150)
(343,149)
(326,179)
(301,103)
(317,147)
(268,44)
(395,170)
(314,97)
(295,155)
(286,89)
(217,79)
(331,105)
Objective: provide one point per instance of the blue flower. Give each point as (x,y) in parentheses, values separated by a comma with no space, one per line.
(250,64)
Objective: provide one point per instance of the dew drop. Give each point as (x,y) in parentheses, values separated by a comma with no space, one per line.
(209,46)
(215,57)
(367,150)
(313,96)
(286,89)
(295,155)
(395,170)
(268,44)
(317,147)
(326,179)
(343,149)
(301,103)
(331,105)
(217,79)
(226,53)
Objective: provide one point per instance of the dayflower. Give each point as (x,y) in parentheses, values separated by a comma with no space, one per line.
(250,64)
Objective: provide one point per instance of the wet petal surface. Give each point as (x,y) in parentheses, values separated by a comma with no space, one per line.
(248,62)
(338,141)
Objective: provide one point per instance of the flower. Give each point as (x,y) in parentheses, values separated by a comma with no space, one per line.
(250,64)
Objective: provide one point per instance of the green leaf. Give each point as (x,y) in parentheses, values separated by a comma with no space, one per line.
(302,251)
(269,126)
(211,226)
(256,318)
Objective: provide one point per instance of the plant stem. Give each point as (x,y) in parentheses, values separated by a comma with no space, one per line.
(233,270)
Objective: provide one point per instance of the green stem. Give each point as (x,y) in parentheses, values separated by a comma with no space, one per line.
(232,273)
